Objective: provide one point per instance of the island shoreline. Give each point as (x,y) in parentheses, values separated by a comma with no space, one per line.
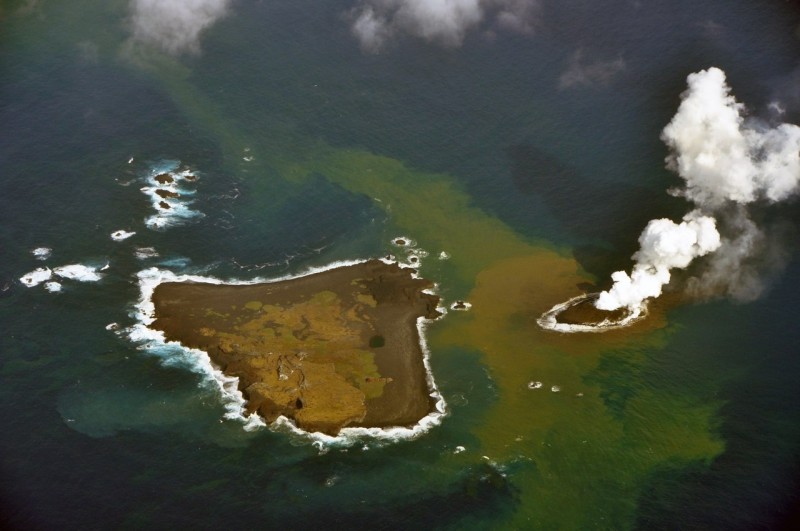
(154,340)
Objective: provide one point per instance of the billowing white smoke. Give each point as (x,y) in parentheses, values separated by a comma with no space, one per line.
(664,245)
(725,160)
(442,21)
(174,25)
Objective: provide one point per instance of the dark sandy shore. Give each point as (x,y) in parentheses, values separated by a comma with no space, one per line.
(328,350)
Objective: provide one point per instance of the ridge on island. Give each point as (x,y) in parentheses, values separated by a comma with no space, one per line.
(334,349)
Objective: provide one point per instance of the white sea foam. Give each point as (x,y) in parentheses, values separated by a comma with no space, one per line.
(403,241)
(79,272)
(154,342)
(119,235)
(143,253)
(52,287)
(170,211)
(42,253)
(177,262)
(36,277)
(549,319)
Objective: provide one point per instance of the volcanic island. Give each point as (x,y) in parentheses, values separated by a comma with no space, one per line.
(333,349)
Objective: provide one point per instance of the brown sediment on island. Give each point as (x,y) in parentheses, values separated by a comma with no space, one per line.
(329,350)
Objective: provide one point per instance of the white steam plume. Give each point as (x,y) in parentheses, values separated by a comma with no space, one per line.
(727,162)
(445,22)
(664,245)
(721,157)
(174,26)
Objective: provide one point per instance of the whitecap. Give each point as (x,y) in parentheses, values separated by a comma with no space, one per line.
(52,287)
(36,277)
(42,253)
(119,235)
(172,207)
(143,253)
(79,272)
(403,241)
(460,305)
(534,385)
(177,262)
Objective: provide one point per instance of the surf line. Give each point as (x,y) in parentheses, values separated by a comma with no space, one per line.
(171,352)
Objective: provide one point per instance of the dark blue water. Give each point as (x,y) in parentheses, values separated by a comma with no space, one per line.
(97,433)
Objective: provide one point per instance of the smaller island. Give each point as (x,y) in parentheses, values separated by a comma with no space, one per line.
(579,314)
(334,349)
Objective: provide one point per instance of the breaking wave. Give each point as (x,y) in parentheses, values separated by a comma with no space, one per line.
(169,188)
(549,319)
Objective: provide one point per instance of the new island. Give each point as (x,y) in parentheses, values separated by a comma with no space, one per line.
(334,349)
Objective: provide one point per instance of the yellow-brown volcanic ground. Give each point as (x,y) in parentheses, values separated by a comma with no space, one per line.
(328,350)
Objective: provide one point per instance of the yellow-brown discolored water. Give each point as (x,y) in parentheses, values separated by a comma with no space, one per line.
(585,453)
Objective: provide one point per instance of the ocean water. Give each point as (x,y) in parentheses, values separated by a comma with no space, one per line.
(308,151)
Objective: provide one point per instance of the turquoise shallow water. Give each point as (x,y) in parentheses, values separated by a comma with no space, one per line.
(98,433)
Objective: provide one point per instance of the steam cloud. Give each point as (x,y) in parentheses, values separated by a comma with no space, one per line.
(174,25)
(665,245)
(445,22)
(727,162)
